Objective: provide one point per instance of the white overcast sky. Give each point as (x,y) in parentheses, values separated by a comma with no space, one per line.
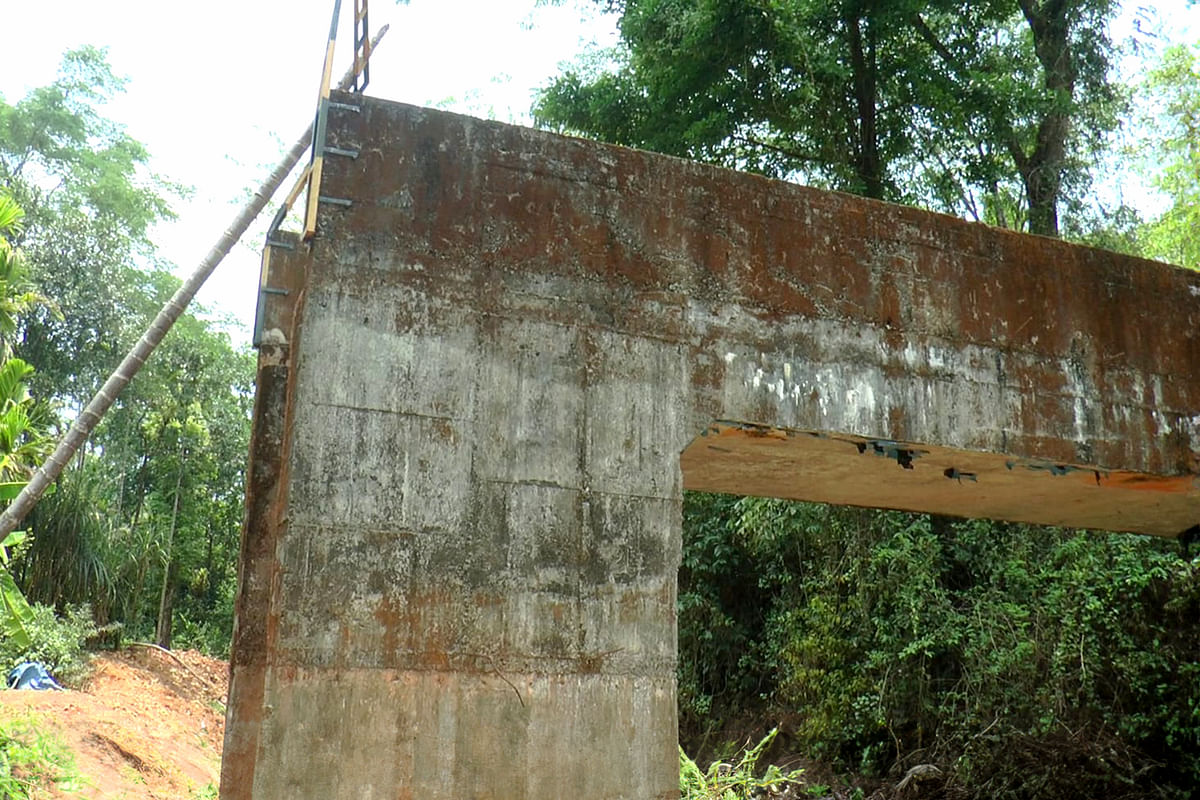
(219,89)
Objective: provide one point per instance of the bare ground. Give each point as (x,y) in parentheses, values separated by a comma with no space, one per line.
(143,728)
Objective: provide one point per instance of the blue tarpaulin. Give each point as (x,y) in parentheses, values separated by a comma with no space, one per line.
(31,675)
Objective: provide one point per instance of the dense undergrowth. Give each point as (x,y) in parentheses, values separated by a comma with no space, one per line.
(1021,661)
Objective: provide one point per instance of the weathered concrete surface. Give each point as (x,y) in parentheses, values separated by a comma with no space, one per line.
(458,575)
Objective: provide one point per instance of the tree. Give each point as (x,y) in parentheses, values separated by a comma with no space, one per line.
(90,199)
(1174,87)
(1025,662)
(812,89)
(17,296)
(946,103)
(156,500)
(165,475)
(1038,97)
(58,151)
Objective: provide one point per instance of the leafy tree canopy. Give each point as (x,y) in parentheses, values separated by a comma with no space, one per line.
(1175,87)
(57,151)
(90,200)
(983,108)
(144,525)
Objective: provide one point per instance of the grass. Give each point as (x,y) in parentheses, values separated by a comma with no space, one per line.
(33,762)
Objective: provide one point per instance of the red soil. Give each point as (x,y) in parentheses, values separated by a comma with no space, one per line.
(144,727)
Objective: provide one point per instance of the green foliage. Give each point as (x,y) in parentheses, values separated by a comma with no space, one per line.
(145,523)
(782,88)
(72,558)
(23,441)
(202,623)
(989,109)
(739,781)
(719,610)
(17,296)
(977,645)
(1174,86)
(59,152)
(17,614)
(56,641)
(33,762)
(90,200)
(206,792)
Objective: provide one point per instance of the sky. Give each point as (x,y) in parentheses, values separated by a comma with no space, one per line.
(218,90)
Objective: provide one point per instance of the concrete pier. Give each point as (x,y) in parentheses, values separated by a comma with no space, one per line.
(484,387)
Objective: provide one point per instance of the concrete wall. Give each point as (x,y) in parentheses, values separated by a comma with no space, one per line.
(495,372)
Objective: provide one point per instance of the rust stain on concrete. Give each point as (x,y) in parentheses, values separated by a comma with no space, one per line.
(506,359)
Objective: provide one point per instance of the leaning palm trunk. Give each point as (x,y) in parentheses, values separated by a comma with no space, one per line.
(91,414)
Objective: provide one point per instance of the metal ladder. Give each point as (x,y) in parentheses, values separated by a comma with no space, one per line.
(310,178)
(362,47)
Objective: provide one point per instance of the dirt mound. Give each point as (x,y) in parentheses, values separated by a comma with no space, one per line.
(146,726)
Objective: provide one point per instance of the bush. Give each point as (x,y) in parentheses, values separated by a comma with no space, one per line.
(895,639)
(58,642)
(209,636)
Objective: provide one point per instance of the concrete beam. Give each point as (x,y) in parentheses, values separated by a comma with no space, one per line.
(499,367)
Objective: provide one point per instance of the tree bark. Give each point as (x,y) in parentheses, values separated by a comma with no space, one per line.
(1043,170)
(863,67)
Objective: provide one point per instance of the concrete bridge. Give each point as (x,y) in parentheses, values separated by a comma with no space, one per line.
(484,387)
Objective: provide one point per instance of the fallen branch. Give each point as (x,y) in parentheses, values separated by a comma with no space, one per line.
(182,663)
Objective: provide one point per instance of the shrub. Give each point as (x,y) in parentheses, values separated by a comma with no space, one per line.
(209,636)
(1008,654)
(57,642)
(740,781)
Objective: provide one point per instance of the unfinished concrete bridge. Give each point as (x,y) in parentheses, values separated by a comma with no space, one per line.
(484,386)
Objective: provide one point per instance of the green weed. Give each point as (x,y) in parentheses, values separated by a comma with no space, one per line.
(33,761)
(740,781)
(56,641)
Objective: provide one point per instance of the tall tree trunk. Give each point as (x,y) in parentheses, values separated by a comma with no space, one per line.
(1042,170)
(166,598)
(142,481)
(134,608)
(1042,184)
(210,586)
(166,610)
(1041,167)
(864,67)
